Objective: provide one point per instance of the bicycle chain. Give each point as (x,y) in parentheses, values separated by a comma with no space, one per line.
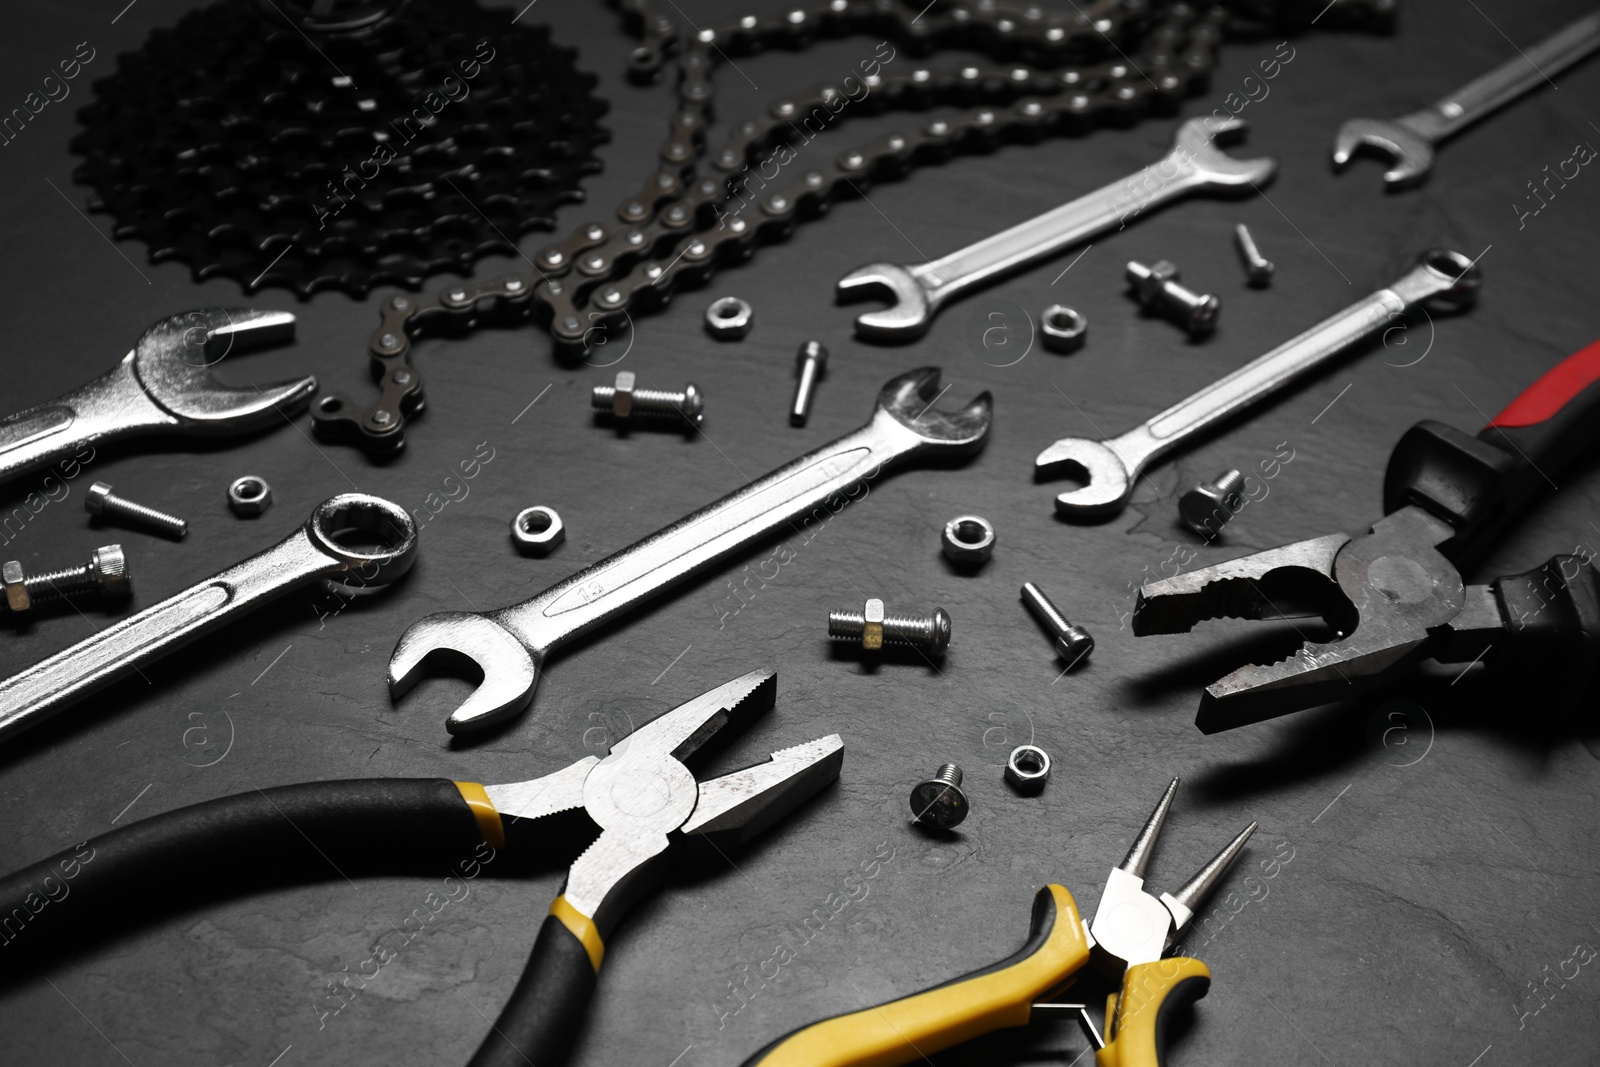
(677,228)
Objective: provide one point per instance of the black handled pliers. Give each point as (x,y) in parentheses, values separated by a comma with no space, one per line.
(640,798)
(1395,595)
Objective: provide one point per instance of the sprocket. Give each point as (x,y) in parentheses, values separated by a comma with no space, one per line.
(257,143)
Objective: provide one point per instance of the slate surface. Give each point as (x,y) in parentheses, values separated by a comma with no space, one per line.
(1428,883)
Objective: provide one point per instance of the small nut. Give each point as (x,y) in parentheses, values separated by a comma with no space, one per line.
(14,580)
(729,318)
(968,540)
(112,567)
(537,531)
(622,394)
(1028,769)
(872,631)
(1064,328)
(249,496)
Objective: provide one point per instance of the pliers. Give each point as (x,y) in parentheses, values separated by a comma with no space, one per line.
(640,799)
(1395,595)
(1131,932)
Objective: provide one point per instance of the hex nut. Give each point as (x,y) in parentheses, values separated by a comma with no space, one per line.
(16,588)
(249,496)
(1064,329)
(968,540)
(622,394)
(1028,768)
(112,567)
(729,318)
(536,531)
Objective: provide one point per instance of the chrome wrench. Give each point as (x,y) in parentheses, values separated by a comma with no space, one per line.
(311,552)
(1409,139)
(1194,165)
(1109,468)
(510,645)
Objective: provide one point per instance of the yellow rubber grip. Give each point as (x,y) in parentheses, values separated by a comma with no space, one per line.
(582,927)
(912,1028)
(489,824)
(1137,1019)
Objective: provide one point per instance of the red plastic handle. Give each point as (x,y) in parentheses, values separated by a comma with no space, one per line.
(1548,395)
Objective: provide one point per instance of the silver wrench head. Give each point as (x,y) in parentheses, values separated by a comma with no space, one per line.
(372,518)
(174,358)
(909,312)
(1197,144)
(1107,481)
(1410,152)
(510,671)
(908,400)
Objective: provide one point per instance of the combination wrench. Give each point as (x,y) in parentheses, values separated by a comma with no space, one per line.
(510,645)
(1409,139)
(1194,165)
(316,550)
(1441,278)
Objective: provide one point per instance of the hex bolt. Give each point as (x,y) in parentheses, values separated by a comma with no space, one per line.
(812,361)
(1257,268)
(874,628)
(104,504)
(623,401)
(1157,288)
(939,801)
(1207,507)
(1073,642)
(106,574)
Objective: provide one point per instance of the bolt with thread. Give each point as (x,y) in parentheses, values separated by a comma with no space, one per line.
(939,801)
(624,401)
(1207,507)
(105,574)
(1073,643)
(103,503)
(874,628)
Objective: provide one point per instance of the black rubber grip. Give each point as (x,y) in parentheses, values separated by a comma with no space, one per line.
(1552,640)
(1182,996)
(264,837)
(540,1022)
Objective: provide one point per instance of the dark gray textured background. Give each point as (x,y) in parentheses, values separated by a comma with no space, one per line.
(1421,900)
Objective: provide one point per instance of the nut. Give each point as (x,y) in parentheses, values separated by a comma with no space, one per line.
(872,631)
(249,496)
(14,580)
(622,394)
(112,568)
(729,318)
(537,531)
(1064,328)
(968,540)
(1028,769)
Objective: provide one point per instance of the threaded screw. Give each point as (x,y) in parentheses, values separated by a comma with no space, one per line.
(1157,287)
(939,801)
(104,504)
(813,363)
(106,574)
(1073,642)
(1257,268)
(874,628)
(624,401)
(1207,507)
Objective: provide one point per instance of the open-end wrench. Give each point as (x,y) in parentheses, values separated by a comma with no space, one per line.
(1409,139)
(164,385)
(1194,165)
(509,645)
(1108,469)
(311,552)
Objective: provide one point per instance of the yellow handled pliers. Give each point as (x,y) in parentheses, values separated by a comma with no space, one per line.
(1131,932)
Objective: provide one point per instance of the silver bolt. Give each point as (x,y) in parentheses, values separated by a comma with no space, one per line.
(103,503)
(1257,267)
(874,628)
(1157,287)
(623,401)
(813,363)
(939,801)
(105,574)
(1073,642)
(1207,507)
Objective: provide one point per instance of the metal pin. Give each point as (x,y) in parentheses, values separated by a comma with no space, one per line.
(1256,266)
(813,364)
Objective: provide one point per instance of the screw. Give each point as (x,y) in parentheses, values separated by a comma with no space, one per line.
(939,802)
(813,363)
(1073,642)
(1257,267)
(103,503)
(874,629)
(623,401)
(1157,287)
(1207,507)
(106,574)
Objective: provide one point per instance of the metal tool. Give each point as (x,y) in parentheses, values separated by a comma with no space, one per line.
(641,807)
(106,575)
(316,550)
(1396,595)
(1207,507)
(939,801)
(1257,268)
(164,385)
(811,364)
(510,645)
(1441,279)
(1194,165)
(624,400)
(1409,140)
(1128,939)
(102,503)
(1073,643)
(873,628)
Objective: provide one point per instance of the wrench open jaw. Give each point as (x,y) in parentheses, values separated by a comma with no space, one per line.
(1409,152)
(508,647)
(1104,472)
(911,308)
